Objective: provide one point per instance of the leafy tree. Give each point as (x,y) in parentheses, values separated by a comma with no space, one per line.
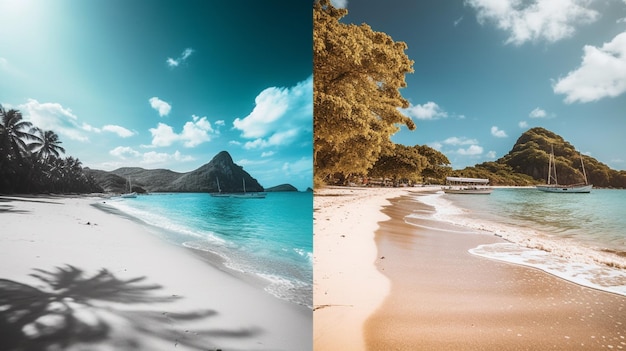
(46,144)
(12,135)
(405,162)
(35,167)
(358,74)
(437,167)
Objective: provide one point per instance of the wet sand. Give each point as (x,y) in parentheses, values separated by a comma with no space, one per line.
(444,298)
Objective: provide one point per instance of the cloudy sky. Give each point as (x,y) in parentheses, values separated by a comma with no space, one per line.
(166,84)
(488,70)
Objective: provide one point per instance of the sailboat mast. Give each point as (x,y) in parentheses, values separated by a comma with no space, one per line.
(549,169)
(583,166)
(244,185)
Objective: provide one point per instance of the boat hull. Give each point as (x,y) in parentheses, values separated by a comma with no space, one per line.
(566,189)
(219,195)
(477,191)
(249,196)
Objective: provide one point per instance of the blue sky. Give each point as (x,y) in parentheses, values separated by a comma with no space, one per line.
(488,70)
(166,84)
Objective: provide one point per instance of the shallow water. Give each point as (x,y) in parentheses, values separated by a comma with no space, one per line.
(270,238)
(578,237)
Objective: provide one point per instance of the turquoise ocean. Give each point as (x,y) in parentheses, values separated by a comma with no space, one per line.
(270,239)
(578,237)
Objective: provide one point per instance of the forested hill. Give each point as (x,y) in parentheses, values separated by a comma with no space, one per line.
(527,164)
(203,179)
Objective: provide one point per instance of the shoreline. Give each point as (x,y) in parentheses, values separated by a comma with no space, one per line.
(586,263)
(161,296)
(443,297)
(347,287)
(210,258)
(254,255)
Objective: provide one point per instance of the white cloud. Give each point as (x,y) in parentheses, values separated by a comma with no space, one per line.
(301,166)
(436,145)
(163,107)
(155,158)
(248,162)
(267,154)
(523,124)
(471,147)
(220,123)
(498,133)
(280,116)
(196,132)
(55,117)
(472,150)
(119,130)
(427,111)
(151,158)
(491,155)
(460,141)
(534,20)
(601,74)
(193,134)
(458,21)
(182,58)
(343,4)
(124,151)
(537,113)
(163,135)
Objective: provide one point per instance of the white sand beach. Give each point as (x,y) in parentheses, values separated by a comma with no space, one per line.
(108,282)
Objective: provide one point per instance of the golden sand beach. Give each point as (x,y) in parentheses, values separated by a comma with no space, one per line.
(435,295)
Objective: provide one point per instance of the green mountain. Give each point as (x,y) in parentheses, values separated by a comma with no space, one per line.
(527,164)
(281,188)
(204,179)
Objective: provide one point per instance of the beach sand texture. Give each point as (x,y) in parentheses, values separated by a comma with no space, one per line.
(347,287)
(74,277)
(436,295)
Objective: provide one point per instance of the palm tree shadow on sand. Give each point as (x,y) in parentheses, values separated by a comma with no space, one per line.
(72,309)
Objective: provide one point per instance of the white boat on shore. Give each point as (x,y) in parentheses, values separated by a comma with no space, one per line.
(459,185)
(130,194)
(581,188)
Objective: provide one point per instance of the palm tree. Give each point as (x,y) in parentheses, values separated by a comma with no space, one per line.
(46,144)
(13,148)
(12,135)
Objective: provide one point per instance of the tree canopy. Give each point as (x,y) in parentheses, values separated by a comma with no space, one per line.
(357,76)
(30,160)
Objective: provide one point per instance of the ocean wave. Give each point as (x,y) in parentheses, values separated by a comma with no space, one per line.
(591,275)
(289,289)
(561,256)
(156,220)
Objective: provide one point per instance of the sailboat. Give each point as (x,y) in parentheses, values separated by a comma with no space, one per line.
(247,195)
(130,194)
(219,189)
(559,188)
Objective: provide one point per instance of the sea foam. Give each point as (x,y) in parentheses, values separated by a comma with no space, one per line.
(561,256)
